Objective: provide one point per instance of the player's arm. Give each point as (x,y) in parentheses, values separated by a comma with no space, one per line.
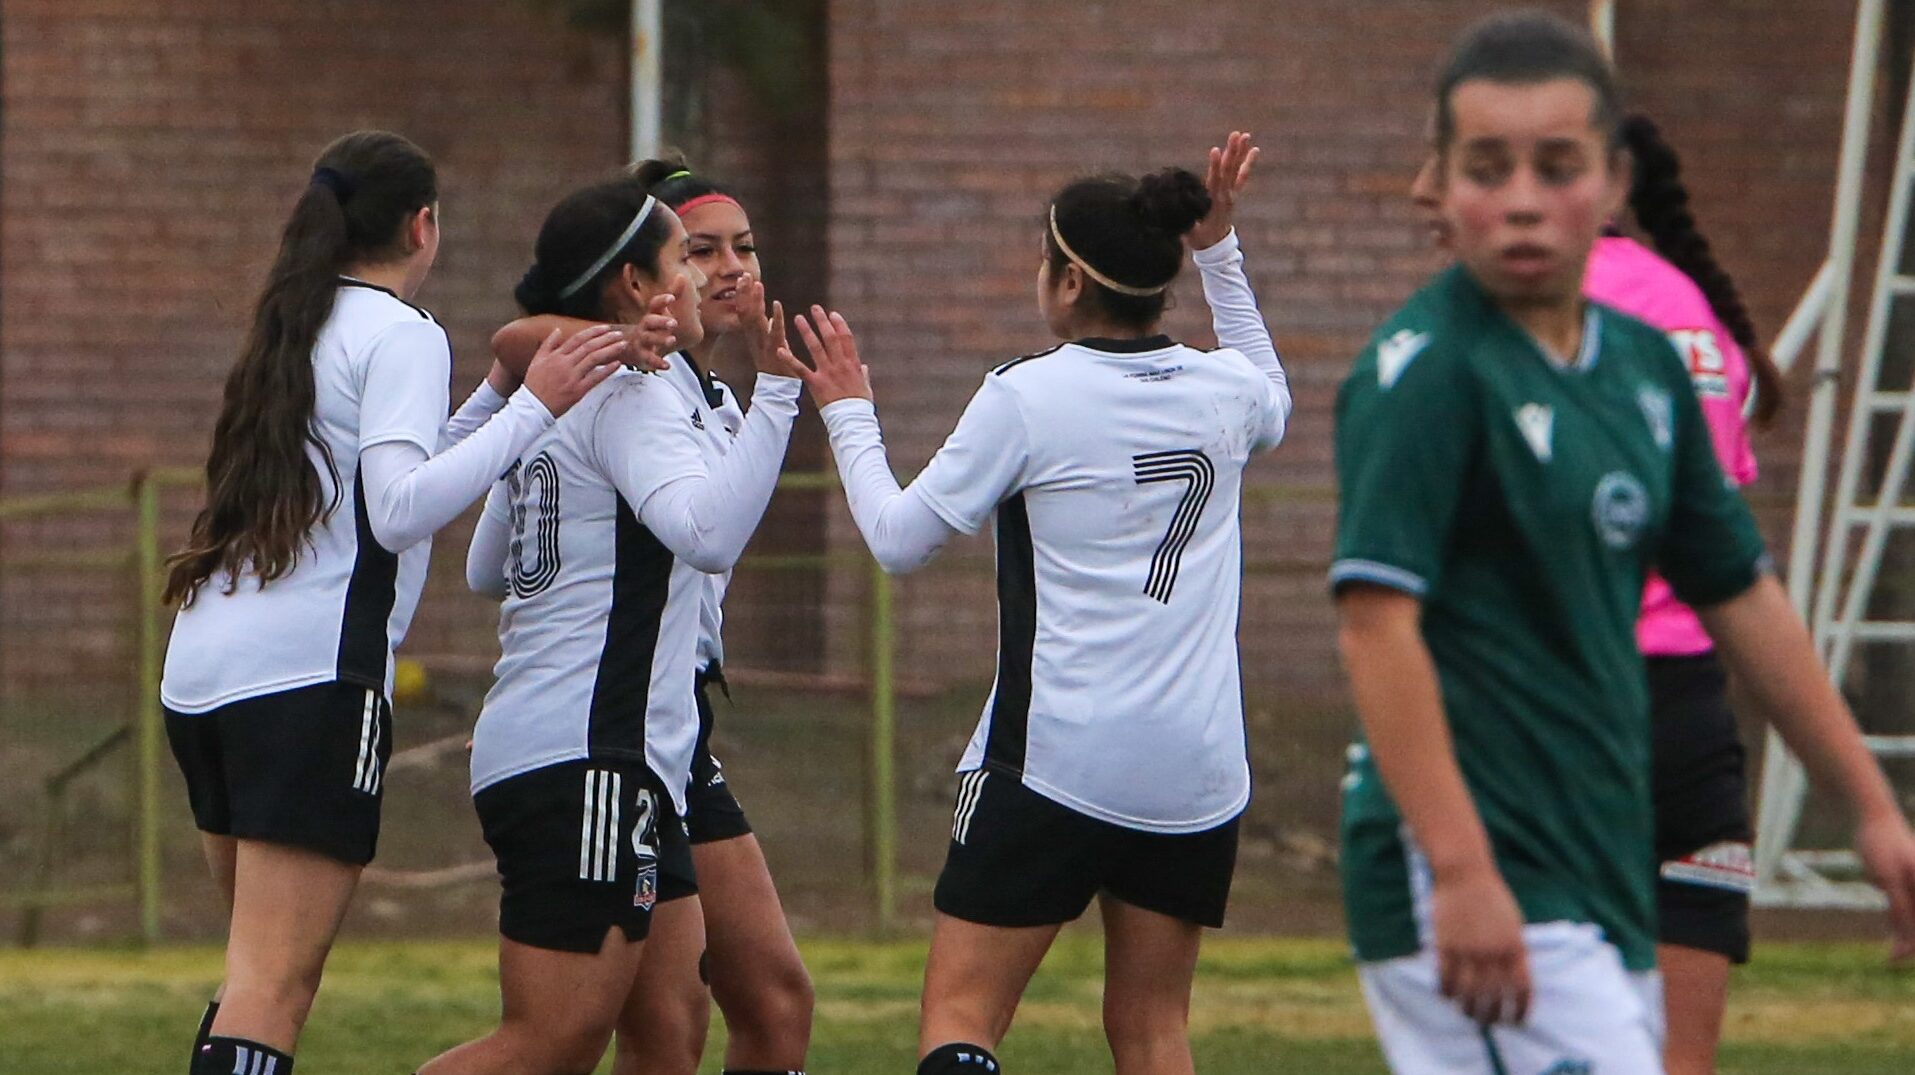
(1711,553)
(705,517)
(1479,936)
(411,493)
(978,464)
(1406,444)
(1234,314)
(485,558)
(1764,644)
(513,346)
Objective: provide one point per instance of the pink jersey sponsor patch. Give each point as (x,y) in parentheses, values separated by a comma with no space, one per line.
(1630,277)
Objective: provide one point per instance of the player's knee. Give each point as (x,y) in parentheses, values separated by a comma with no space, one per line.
(568,1046)
(1130,1026)
(777,1006)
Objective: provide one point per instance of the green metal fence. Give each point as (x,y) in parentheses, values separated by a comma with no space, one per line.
(140,739)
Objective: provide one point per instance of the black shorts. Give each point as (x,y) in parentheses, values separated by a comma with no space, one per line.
(583,846)
(712,811)
(303,767)
(1020,859)
(1702,809)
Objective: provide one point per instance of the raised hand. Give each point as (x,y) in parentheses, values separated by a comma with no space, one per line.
(837,372)
(770,347)
(1226,176)
(564,370)
(654,337)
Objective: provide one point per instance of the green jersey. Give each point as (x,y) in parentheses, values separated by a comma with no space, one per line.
(1523,501)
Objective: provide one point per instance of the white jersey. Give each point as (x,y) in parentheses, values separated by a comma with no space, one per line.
(601,628)
(382,370)
(1114,470)
(722,419)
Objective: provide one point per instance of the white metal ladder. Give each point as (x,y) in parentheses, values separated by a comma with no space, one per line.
(1785,875)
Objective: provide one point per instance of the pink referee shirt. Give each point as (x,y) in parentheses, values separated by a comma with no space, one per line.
(1632,278)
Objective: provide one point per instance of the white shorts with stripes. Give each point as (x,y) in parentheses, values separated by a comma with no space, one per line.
(1589,1015)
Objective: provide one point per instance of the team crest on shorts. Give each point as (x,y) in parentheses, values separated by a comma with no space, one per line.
(1572,1067)
(645,893)
(1620,510)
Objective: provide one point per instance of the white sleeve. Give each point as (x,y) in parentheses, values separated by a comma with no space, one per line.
(482,404)
(981,462)
(404,382)
(902,531)
(410,495)
(485,558)
(705,517)
(1240,327)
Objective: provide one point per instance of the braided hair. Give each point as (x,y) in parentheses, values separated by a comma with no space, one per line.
(1660,203)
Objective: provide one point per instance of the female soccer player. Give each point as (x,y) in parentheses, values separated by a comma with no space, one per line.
(1512,461)
(755,972)
(600,539)
(303,569)
(1699,784)
(1110,761)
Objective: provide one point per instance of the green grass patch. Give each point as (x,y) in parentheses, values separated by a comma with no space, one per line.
(1262,1005)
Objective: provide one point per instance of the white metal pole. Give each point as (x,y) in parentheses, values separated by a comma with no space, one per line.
(647,82)
(1602,23)
(1783,782)
(1828,359)
(1800,328)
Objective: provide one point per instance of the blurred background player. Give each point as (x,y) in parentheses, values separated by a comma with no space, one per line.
(305,566)
(1512,461)
(755,972)
(1699,780)
(1110,762)
(599,540)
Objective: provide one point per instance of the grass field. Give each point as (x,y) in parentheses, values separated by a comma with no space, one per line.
(1262,1006)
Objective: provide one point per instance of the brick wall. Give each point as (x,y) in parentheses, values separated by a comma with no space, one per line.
(148,154)
(952,122)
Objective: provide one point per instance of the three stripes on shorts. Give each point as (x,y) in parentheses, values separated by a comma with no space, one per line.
(970,790)
(367,775)
(598,835)
(253,1061)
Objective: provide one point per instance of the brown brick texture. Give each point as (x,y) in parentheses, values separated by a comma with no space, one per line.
(148,152)
(951,123)
(148,155)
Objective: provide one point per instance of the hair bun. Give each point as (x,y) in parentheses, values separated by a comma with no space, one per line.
(1172,200)
(536,293)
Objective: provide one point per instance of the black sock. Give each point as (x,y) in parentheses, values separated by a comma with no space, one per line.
(205,1025)
(959,1058)
(237,1056)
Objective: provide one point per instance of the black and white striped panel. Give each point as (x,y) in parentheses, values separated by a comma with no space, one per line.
(248,1061)
(367,774)
(970,791)
(1193,468)
(598,833)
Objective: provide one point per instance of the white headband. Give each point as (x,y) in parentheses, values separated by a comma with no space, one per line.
(1122,289)
(606,258)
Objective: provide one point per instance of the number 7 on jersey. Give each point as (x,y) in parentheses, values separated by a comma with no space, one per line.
(1193,468)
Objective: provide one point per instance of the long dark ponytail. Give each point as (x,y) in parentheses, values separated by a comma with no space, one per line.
(264,493)
(1660,203)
